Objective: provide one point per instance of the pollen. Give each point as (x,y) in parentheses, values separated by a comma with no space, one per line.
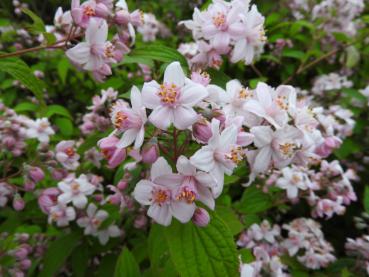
(120,117)
(219,20)
(281,101)
(287,149)
(160,196)
(106,153)
(168,93)
(70,152)
(89,11)
(236,155)
(75,187)
(109,51)
(188,195)
(245,93)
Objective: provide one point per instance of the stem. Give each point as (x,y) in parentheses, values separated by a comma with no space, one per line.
(175,143)
(257,71)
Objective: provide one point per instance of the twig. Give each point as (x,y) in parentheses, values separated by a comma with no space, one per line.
(257,71)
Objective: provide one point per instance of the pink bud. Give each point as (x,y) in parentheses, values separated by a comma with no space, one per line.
(29,185)
(150,153)
(115,199)
(122,17)
(219,114)
(136,18)
(114,155)
(21,253)
(102,11)
(200,78)
(201,130)
(18,203)
(59,174)
(327,147)
(122,185)
(36,174)
(48,199)
(140,221)
(201,217)
(25,264)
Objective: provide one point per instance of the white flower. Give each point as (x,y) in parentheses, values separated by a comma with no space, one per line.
(93,220)
(39,129)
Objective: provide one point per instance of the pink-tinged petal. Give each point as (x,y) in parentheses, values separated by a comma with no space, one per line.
(79,54)
(182,210)
(94,63)
(143,192)
(160,167)
(218,174)
(150,96)
(236,29)
(263,94)
(239,51)
(204,159)
(232,88)
(174,74)
(262,159)
(221,41)
(77,15)
(136,100)
(205,196)
(193,94)
(184,117)
(70,213)
(75,4)
(205,179)
(228,136)
(263,135)
(91,210)
(140,138)
(61,157)
(292,192)
(161,214)
(97,31)
(101,215)
(161,117)
(170,181)
(65,198)
(250,53)
(214,140)
(79,201)
(209,30)
(185,167)
(128,137)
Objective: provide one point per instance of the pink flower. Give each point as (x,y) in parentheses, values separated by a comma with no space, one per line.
(150,152)
(159,194)
(48,199)
(173,100)
(39,129)
(278,147)
(92,221)
(220,156)
(293,180)
(36,174)
(326,148)
(75,191)
(90,55)
(67,155)
(130,121)
(110,151)
(82,14)
(62,215)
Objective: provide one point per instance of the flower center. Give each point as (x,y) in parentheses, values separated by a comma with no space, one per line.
(168,93)
(70,152)
(186,194)
(296,179)
(120,117)
(161,196)
(287,149)
(244,93)
(96,222)
(219,20)
(89,11)
(281,101)
(75,187)
(109,50)
(236,155)
(106,153)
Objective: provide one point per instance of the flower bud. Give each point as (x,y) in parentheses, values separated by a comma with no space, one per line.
(202,78)
(140,221)
(25,264)
(112,154)
(29,185)
(201,130)
(48,199)
(36,174)
(136,18)
(327,147)
(21,253)
(122,185)
(102,11)
(150,153)
(59,174)
(18,203)
(122,17)
(219,114)
(201,217)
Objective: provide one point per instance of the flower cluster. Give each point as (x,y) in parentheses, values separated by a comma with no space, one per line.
(93,18)
(330,82)
(304,240)
(151,28)
(226,28)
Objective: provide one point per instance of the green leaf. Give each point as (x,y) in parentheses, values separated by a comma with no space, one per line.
(230,218)
(38,25)
(347,148)
(352,56)
(65,126)
(57,110)
(158,53)
(366,199)
(202,252)
(296,54)
(126,265)
(57,253)
(218,77)
(158,248)
(19,70)
(26,107)
(63,67)
(79,260)
(254,201)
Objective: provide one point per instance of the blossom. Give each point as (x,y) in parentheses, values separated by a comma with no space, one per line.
(220,156)
(75,191)
(173,101)
(110,151)
(104,234)
(90,55)
(93,219)
(62,215)
(293,180)
(66,154)
(159,193)
(84,14)
(39,129)
(130,121)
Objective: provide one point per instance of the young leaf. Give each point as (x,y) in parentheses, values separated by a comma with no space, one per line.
(126,265)
(38,25)
(202,252)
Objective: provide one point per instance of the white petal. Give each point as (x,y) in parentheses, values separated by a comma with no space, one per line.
(182,210)
(140,138)
(184,117)
(263,135)
(174,74)
(143,192)
(160,214)
(97,31)
(161,117)
(150,97)
(193,94)
(185,167)
(228,136)
(136,100)
(160,167)
(128,137)
(204,159)
(262,160)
